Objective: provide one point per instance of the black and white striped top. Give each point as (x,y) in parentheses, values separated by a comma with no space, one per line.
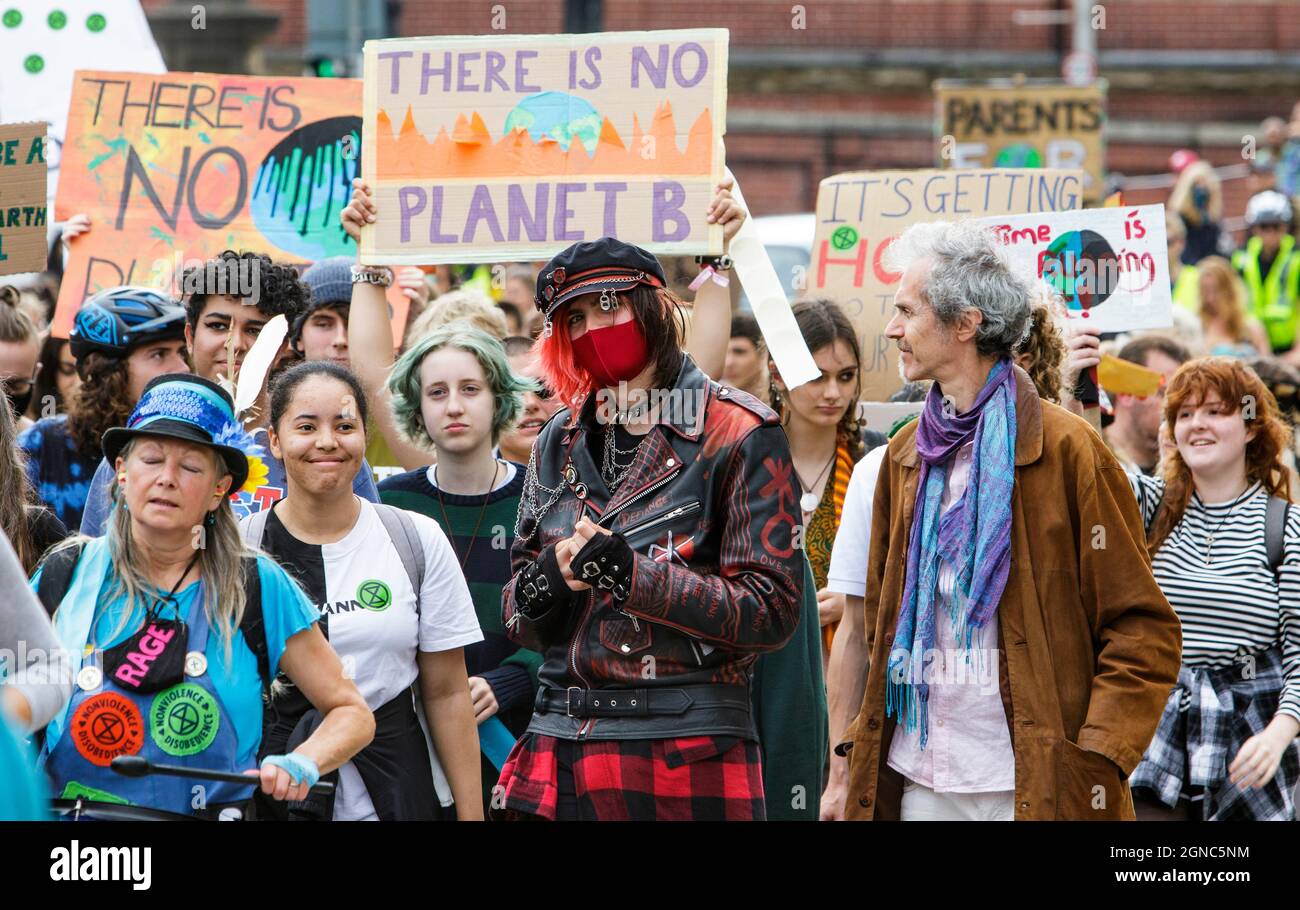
(1232,606)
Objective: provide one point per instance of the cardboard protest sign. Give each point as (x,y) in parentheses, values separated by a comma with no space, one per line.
(1110,265)
(42,42)
(512,147)
(173,169)
(22,198)
(1024,125)
(860,213)
(882,415)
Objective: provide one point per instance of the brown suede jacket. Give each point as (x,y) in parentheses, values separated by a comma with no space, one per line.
(1089,648)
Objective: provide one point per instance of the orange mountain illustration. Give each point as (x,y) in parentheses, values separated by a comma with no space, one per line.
(469,150)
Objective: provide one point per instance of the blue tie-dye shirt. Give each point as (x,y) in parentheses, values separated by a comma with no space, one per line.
(59,473)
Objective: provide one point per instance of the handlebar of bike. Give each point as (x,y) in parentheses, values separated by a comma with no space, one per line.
(135,766)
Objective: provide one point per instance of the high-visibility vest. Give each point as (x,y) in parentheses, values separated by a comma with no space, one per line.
(1273,297)
(1187,289)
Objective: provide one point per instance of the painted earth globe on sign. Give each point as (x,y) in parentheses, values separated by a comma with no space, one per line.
(558,116)
(303,183)
(1019,155)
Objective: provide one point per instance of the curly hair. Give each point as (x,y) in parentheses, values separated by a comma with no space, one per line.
(507,387)
(821,323)
(969,270)
(1239,388)
(101,402)
(278,287)
(1043,352)
(658,312)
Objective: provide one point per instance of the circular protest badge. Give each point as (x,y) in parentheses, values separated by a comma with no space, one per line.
(196,663)
(89,678)
(374,595)
(105,726)
(184,719)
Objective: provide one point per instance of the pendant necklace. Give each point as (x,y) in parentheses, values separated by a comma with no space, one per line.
(442,507)
(810,500)
(1209,538)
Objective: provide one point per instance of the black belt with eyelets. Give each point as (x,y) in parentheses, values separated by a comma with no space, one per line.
(674,700)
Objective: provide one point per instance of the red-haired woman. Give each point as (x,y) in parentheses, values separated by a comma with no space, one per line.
(656,556)
(1225,545)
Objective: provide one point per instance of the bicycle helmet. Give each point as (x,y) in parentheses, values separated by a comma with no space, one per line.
(1268,207)
(116,321)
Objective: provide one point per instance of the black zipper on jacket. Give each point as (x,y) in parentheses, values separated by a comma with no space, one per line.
(689,508)
(611,514)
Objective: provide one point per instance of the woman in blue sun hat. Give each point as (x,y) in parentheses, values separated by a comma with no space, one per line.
(175,628)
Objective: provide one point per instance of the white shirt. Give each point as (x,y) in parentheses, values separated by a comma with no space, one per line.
(848,570)
(377,623)
(968,748)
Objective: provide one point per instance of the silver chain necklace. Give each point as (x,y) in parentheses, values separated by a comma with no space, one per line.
(529,496)
(609,467)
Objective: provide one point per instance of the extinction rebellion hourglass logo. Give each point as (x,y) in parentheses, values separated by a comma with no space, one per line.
(374,595)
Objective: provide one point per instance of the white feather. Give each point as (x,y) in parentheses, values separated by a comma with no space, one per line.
(258,360)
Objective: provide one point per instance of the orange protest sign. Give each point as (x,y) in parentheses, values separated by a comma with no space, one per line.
(173,168)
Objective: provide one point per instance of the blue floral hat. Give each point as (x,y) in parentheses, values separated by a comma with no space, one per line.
(189,407)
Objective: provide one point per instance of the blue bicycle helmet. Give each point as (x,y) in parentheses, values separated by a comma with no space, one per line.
(116,321)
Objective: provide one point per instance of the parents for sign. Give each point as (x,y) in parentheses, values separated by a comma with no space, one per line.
(1007,537)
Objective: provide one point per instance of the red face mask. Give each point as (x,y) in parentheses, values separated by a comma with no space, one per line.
(612,354)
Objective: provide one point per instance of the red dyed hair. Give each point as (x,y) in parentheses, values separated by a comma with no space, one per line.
(657,312)
(1236,385)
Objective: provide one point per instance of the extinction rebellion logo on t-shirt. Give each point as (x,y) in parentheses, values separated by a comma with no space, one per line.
(372,595)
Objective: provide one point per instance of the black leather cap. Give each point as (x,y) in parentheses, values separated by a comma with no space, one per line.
(594,266)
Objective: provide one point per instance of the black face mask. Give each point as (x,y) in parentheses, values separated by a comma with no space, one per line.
(18,403)
(152,659)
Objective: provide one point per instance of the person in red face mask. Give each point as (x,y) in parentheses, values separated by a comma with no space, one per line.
(656,557)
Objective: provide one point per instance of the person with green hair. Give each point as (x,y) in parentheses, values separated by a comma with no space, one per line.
(454,392)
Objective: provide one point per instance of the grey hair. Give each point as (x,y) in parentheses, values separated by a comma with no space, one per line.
(969,271)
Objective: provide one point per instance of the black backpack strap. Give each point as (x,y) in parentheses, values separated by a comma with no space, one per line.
(1275,516)
(251,625)
(56,576)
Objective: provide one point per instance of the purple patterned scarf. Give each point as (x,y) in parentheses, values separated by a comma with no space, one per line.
(974,532)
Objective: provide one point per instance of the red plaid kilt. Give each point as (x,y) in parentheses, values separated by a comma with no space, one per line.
(690,778)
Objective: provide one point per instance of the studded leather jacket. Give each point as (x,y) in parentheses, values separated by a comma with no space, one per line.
(709,508)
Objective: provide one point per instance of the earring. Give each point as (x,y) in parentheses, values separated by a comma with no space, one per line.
(121,479)
(211,518)
(777,404)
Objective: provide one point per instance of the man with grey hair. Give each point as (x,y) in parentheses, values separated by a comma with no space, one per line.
(1020,650)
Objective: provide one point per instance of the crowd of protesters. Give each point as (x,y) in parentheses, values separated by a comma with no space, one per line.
(475,575)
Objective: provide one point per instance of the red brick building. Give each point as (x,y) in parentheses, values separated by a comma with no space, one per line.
(833,85)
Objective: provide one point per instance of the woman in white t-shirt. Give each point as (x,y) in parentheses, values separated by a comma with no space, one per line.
(361,566)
